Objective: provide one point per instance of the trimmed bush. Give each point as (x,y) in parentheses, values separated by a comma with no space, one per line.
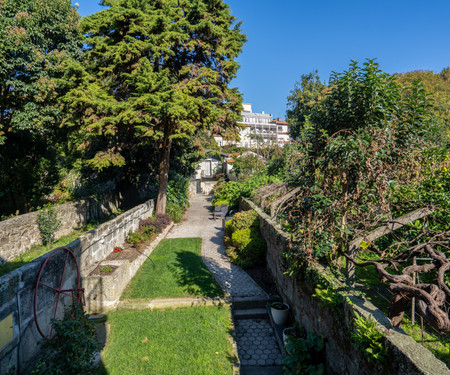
(245,246)
(219,202)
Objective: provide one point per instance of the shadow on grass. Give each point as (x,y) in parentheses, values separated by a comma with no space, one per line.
(193,276)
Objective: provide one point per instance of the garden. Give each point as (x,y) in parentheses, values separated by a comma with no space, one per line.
(366,185)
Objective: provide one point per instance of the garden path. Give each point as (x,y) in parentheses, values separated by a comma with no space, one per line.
(199,222)
(257,348)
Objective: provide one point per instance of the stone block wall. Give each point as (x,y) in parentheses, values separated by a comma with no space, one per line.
(19,233)
(17,287)
(406,356)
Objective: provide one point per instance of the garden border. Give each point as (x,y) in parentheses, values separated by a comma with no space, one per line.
(406,355)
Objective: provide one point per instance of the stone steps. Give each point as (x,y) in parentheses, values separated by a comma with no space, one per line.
(243,303)
(259,313)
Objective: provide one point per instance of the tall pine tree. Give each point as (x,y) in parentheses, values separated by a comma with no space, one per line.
(155,71)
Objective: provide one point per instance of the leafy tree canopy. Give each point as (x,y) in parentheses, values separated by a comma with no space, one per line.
(155,71)
(438,86)
(306,94)
(37,38)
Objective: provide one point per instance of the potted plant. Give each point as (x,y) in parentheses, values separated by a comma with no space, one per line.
(288,332)
(280,312)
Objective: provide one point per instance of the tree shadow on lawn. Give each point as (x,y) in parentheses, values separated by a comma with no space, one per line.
(191,274)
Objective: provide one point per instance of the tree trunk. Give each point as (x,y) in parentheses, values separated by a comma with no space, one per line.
(397,309)
(164,161)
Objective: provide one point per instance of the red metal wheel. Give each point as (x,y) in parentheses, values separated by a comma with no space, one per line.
(62,281)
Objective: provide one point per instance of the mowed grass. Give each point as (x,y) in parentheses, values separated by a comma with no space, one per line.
(175,269)
(184,341)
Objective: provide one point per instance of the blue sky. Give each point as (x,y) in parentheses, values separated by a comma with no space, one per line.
(287,38)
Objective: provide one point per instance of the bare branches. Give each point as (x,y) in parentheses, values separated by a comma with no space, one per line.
(429,297)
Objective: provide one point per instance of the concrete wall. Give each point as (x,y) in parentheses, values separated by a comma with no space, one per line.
(17,287)
(406,356)
(19,233)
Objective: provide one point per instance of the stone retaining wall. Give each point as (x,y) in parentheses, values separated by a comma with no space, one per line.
(17,287)
(19,233)
(103,292)
(406,356)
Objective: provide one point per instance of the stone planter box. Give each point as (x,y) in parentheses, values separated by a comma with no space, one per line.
(102,293)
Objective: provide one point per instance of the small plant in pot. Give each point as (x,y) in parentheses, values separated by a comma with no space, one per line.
(290,332)
(280,312)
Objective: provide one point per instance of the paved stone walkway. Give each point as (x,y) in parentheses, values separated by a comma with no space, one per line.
(257,348)
(199,222)
(256,343)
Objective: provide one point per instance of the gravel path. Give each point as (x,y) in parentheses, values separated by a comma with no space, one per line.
(199,222)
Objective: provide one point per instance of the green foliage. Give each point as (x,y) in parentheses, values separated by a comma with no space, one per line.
(228,191)
(177,196)
(154,72)
(245,166)
(220,202)
(231,191)
(245,245)
(177,190)
(175,211)
(106,269)
(362,142)
(304,355)
(48,223)
(368,339)
(306,94)
(242,220)
(71,351)
(38,41)
(142,235)
(329,298)
(437,86)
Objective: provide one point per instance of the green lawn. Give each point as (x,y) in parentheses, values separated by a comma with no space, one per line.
(175,269)
(184,341)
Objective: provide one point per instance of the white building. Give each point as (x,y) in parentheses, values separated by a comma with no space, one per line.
(259,129)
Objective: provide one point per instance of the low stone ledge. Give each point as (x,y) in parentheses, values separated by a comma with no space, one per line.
(170,303)
(102,292)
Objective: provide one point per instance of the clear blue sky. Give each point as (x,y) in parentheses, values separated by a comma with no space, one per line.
(287,38)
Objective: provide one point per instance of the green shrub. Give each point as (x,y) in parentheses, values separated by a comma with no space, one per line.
(177,190)
(72,349)
(48,224)
(175,211)
(219,202)
(305,355)
(231,191)
(245,246)
(143,234)
(244,219)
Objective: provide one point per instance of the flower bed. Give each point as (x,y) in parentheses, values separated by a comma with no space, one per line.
(103,289)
